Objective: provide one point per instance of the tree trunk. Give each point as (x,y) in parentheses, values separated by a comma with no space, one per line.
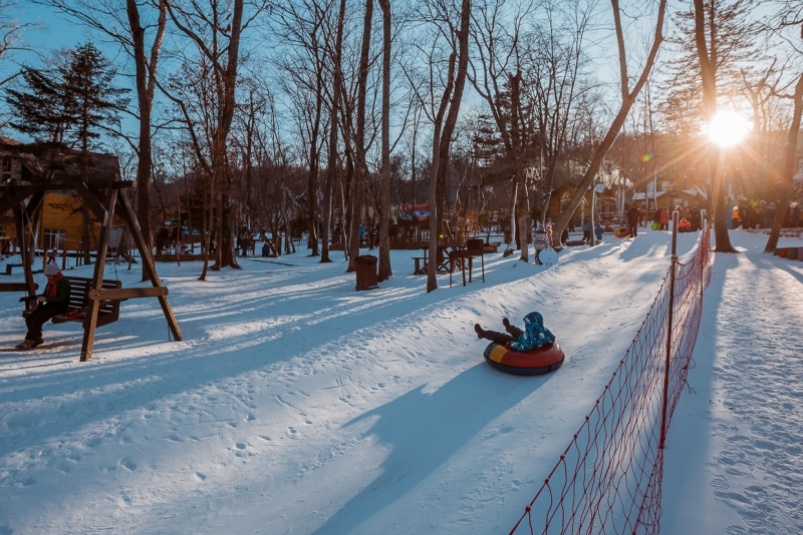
(385,269)
(453,95)
(360,171)
(707,54)
(145,87)
(333,134)
(628,99)
(787,176)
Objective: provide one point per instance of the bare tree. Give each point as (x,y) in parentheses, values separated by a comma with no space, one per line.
(334,161)
(216,30)
(11,32)
(789,17)
(789,163)
(440,97)
(355,133)
(385,269)
(563,100)
(311,59)
(146,68)
(707,38)
(628,96)
(127,29)
(496,74)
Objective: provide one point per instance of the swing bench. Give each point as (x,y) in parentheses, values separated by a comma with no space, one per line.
(80,301)
(93,301)
(109,296)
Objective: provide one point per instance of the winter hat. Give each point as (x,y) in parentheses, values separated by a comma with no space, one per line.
(51,270)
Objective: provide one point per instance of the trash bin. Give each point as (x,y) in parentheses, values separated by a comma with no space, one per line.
(366,272)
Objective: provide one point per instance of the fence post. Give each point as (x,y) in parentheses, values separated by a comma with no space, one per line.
(704,257)
(673,263)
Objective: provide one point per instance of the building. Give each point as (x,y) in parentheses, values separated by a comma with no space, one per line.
(64,221)
(692,198)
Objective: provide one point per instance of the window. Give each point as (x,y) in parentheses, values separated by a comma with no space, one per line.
(5,168)
(54,238)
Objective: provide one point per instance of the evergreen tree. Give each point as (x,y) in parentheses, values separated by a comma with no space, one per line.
(42,111)
(94,102)
(72,104)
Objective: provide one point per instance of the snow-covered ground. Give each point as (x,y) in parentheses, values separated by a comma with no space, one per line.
(297,405)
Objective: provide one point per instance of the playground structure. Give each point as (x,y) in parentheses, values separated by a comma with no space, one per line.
(101,193)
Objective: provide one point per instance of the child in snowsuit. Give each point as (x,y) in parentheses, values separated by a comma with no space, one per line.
(540,240)
(534,334)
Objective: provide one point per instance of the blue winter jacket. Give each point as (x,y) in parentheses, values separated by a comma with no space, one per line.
(534,335)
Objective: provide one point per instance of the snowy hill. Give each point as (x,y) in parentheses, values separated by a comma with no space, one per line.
(296,404)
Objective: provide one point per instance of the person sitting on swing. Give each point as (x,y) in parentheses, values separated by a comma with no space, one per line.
(53,301)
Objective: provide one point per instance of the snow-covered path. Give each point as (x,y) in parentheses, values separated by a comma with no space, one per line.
(741,424)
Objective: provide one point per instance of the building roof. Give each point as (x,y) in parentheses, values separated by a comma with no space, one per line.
(47,162)
(691,192)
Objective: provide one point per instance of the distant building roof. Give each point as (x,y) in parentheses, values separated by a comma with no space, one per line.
(691,192)
(39,161)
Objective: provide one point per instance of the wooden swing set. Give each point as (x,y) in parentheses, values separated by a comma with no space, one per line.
(93,302)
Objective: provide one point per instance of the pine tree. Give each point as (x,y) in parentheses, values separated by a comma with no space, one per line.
(731,32)
(94,102)
(42,111)
(72,104)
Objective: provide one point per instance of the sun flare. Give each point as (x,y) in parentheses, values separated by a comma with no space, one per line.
(728,128)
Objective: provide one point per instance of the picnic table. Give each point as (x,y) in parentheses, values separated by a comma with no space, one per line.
(464,259)
(422,262)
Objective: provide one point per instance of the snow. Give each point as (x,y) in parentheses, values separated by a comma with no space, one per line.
(297,405)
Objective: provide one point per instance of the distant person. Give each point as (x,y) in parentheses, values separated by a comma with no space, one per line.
(540,241)
(633,218)
(162,240)
(735,217)
(587,232)
(599,232)
(769,215)
(533,336)
(54,300)
(664,219)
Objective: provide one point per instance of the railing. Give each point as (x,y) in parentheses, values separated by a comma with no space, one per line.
(608,480)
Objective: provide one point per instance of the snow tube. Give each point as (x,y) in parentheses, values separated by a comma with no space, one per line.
(622,232)
(548,257)
(534,362)
(684,225)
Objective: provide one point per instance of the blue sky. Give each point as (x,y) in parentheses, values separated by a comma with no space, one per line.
(50,30)
(47,32)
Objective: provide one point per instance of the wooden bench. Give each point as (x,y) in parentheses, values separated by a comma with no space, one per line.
(16,287)
(10,267)
(79,304)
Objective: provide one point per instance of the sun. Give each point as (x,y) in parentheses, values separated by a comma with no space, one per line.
(728,128)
